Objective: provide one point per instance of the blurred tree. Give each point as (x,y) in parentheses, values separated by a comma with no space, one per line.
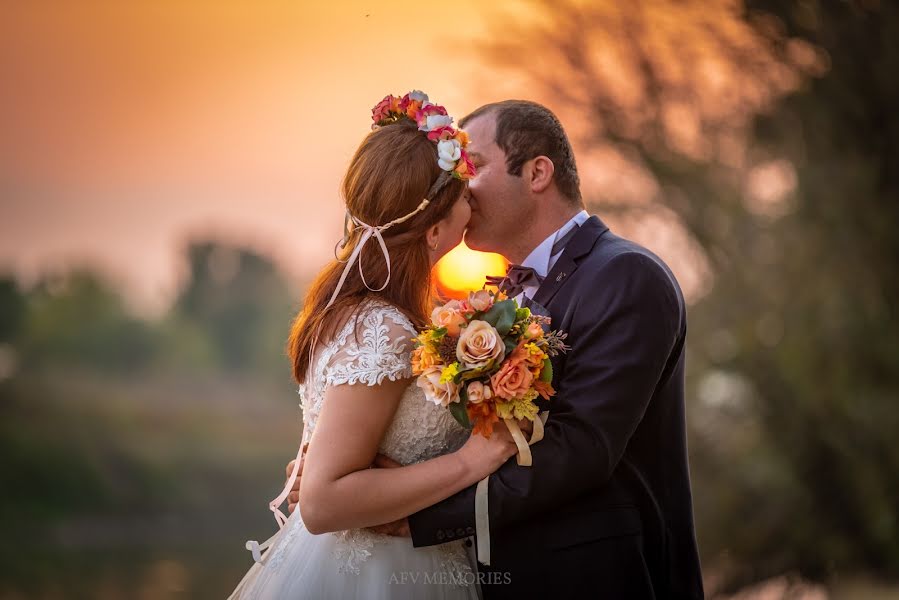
(77,319)
(240,302)
(12,309)
(765,133)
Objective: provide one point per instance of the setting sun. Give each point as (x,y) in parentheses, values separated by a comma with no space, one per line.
(464,269)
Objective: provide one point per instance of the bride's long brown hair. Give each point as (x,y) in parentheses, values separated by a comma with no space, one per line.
(388,177)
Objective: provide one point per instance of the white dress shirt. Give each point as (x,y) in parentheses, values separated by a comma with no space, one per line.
(540,260)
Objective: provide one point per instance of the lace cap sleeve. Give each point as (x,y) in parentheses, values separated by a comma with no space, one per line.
(373,346)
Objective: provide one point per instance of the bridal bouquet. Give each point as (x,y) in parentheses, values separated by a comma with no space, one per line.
(486,359)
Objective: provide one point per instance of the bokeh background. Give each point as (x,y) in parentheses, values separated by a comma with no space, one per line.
(168,187)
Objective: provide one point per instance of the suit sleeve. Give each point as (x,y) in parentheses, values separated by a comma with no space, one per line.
(621,338)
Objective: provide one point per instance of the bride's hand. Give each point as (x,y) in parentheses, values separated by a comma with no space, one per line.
(482,456)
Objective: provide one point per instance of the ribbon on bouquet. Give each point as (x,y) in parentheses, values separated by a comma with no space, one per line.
(525,459)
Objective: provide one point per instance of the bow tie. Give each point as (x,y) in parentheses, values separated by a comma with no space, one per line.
(517,277)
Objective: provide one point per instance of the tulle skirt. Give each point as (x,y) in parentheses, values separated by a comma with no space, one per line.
(357,564)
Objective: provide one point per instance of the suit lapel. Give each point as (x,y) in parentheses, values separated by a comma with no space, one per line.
(579,245)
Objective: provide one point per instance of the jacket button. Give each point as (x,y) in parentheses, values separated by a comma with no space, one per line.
(470,531)
(468,543)
(439,534)
(460,532)
(449,534)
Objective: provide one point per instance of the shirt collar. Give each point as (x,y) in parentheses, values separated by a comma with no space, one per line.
(540,259)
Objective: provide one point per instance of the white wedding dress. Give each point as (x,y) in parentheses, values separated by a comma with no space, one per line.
(359,563)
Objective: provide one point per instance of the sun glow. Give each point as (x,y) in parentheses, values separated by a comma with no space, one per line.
(464,269)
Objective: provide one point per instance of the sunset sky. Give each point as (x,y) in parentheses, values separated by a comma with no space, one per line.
(128,127)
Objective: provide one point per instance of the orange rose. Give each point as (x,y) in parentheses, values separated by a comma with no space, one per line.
(533,331)
(451,315)
(512,380)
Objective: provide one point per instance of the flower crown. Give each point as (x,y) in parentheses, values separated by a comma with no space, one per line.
(433,121)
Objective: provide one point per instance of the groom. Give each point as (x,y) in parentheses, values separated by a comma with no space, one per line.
(606,510)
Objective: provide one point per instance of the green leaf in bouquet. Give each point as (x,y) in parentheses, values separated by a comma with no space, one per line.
(502,316)
(470,374)
(458,409)
(511,344)
(546,375)
(521,314)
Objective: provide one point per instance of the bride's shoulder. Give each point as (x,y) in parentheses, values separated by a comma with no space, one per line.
(374,343)
(378,313)
(374,316)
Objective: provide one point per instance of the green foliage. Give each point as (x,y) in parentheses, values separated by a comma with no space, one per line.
(458,409)
(546,375)
(502,316)
(109,422)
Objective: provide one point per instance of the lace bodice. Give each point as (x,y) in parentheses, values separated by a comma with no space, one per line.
(365,351)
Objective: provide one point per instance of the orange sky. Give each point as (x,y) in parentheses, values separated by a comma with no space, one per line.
(129,126)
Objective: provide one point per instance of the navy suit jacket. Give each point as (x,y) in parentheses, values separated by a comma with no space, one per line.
(606,509)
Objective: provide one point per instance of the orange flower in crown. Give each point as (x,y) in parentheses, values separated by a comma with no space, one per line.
(433,120)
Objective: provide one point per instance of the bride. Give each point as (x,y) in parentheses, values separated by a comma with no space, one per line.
(351,345)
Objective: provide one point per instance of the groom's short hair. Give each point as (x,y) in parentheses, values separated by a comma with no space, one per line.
(524,130)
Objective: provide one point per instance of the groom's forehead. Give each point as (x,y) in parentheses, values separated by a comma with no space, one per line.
(483,136)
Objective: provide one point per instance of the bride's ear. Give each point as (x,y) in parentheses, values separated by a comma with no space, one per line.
(432,237)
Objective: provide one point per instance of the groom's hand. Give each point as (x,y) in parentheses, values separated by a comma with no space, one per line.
(396,528)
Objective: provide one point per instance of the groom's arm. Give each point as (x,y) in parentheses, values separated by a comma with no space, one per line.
(622,338)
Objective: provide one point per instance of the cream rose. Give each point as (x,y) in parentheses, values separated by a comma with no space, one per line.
(478,392)
(478,344)
(418,95)
(442,394)
(448,151)
(451,315)
(480,300)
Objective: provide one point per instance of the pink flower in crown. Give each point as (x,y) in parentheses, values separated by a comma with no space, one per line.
(412,102)
(442,133)
(432,116)
(383,108)
(427,109)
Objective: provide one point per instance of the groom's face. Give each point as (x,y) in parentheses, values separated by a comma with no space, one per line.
(496,198)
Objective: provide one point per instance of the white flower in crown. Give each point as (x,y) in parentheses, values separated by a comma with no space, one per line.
(448,152)
(418,95)
(433,122)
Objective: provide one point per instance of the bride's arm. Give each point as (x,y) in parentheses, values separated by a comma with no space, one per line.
(338,489)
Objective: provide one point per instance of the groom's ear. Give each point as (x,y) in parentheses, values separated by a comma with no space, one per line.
(539,172)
